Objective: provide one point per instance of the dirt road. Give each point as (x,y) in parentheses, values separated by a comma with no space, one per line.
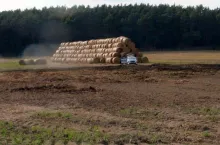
(155,104)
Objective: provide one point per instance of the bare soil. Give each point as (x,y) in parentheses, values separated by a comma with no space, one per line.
(161,104)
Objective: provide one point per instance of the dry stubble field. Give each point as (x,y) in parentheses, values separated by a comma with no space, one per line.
(144,104)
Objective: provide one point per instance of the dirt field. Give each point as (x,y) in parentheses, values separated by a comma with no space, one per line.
(155,104)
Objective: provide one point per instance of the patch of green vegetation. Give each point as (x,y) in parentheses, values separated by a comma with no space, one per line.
(141,126)
(37,135)
(10,65)
(155,138)
(212,114)
(140,114)
(214,118)
(53,115)
(139,138)
(128,111)
(206,134)
(205,111)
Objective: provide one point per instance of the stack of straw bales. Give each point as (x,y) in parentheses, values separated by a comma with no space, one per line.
(96,51)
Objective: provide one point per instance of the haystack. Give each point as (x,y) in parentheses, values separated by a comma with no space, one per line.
(108,50)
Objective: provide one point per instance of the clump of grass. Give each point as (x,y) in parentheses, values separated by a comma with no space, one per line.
(210,111)
(141,114)
(129,111)
(37,135)
(214,118)
(138,138)
(211,114)
(206,134)
(155,139)
(53,115)
(205,111)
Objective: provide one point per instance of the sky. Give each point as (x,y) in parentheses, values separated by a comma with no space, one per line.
(23,4)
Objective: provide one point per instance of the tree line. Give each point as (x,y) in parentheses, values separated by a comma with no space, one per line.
(161,27)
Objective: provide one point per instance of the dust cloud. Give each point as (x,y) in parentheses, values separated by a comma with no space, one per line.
(51,34)
(40,50)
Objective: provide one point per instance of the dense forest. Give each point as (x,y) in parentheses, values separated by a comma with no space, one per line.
(161,27)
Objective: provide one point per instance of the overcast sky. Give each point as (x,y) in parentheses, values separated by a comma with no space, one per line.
(22,4)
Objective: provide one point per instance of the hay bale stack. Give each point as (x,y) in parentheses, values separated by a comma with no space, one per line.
(108,50)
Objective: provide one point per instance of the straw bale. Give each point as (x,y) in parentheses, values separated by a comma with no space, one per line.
(139,60)
(126,49)
(144,59)
(94,51)
(96,60)
(118,39)
(139,54)
(89,60)
(102,60)
(72,47)
(111,40)
(99,50)
(87,47)
(115,54)
(117,49)
(99,55)
(118,45)
(105,55)
(90,42)
(116,60)
(68,60)
(108,60)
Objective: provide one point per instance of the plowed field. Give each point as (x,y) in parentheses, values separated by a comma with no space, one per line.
(155,104)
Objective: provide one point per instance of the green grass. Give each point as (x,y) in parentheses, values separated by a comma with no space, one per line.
(10,65)
(53,115)
(37,135)
(211,111)
(141,114)
(206,134)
